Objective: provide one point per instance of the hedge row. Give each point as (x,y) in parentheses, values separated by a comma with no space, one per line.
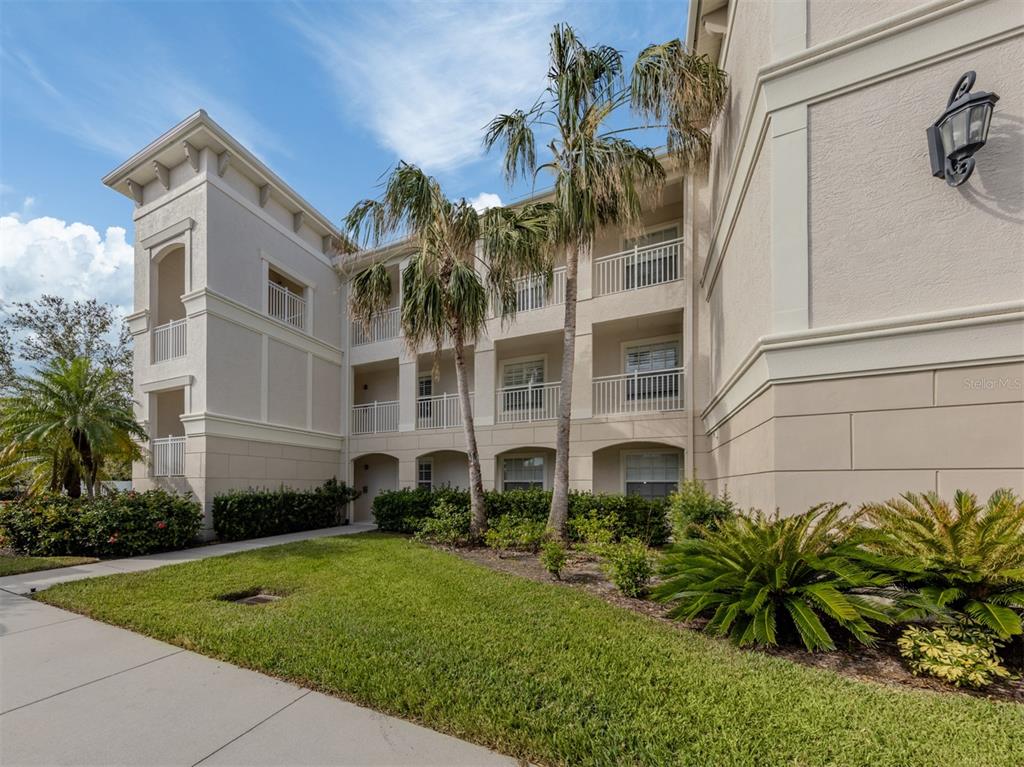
(117,525)
(242,514)
(403,511)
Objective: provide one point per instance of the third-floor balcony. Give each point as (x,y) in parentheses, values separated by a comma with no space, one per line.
(640,267)
(170,340)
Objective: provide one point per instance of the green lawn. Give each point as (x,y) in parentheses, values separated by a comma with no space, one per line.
(12,565)
(539,671)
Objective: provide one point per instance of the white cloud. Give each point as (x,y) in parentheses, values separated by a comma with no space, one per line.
(427,77)
(123,108)
(47,255)
(485,200)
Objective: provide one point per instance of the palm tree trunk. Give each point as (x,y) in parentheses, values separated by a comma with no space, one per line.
(559,515)
(478,512)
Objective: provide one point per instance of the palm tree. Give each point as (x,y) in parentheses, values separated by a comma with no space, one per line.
(444,296)
(64,424)
(600,178)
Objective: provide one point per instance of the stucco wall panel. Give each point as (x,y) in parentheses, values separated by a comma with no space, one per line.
(886,238)
(286,384)
(828,19)
(233,369)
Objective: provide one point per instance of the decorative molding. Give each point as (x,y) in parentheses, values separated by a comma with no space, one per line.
(264,195)
(207,424)
(192,155)
(163,175)
(223,160)
(297,219)
(957,338)
(135,189)
(165,384)
(186,224)
(138,322)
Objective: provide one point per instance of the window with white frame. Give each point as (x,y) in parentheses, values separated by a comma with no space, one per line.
(425,388)
(425,473)
(649,362)
(522,472)
(651,475)
(653,264)
(517,380)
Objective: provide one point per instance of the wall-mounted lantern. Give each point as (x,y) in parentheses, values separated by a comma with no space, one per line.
(960,131)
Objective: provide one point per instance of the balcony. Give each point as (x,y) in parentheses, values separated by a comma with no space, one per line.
(532,292)
(526,404)
(656,391)
(169,341)
(375,418)
(441,411)
(638,268)
(168,456)
(383,326)
(286,305)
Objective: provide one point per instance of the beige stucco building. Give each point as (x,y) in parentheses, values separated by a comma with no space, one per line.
(816,318)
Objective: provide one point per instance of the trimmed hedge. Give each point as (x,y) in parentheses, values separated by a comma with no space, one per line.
(242,514)
(403,511)
(117,525)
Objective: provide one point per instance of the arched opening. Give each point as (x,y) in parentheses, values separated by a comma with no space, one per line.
(648,469)
(442,468)
(168,312)
(372,474)
(522,468)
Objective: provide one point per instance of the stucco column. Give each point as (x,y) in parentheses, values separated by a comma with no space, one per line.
(584,278)
(581,472)
(407,472)
(583,375)
(483,383)
(407,394)
(488,467)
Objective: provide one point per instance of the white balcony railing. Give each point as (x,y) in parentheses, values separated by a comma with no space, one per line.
(652,392)
(523,404)
(169,340)
(168,457)
(385,325)
(284,305)
(375,417)
(532,293)
(638,268)
(441,411)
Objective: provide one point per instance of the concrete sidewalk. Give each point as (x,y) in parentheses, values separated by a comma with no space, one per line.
(77,692)
(37,581)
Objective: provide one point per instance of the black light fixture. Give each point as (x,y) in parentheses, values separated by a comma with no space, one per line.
(960,131)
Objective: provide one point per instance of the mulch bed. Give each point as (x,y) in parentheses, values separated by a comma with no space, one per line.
(881,664)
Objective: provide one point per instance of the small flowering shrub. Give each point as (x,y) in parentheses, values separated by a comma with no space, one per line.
(552,557)
(514,532)
(448,524)
(118,525)
(960,654)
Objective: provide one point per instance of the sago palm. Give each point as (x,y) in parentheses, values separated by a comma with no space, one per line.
(600,177)
(761,578)
(963,557)
(445,298)
(68,421)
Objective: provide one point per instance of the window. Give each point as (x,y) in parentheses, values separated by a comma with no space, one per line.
(651,475)
(425,473)
(425,388)
(653,265)
(650,362)
(518,378)
(522,473)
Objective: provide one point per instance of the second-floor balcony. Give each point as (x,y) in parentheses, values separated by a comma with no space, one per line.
(654,391)
(375,417)
(638,268)
(526,404)
(170,340)
(382,327)
(441,411)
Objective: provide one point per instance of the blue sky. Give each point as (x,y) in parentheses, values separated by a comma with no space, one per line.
(330,95)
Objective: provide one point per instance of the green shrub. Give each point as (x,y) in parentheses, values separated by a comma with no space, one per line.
(761,579)
(960,654)
(403,511)
(628,565)
(514,532)
(552,557)
(694,508)
(594,530)
(117,525)
(243,514)
(447,524)
(962,560)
